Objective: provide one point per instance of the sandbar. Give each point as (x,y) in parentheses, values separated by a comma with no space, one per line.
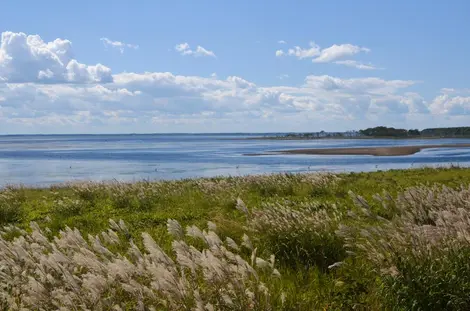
(374,151)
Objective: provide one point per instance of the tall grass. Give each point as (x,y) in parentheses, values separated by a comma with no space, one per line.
(71,272)
(421,255)
(399,241)
(300,235)
(11,205)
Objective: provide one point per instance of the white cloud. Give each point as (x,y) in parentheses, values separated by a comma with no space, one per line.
(366,86)
(283,76)
(448,104)
(27,58)
(121,46)
(80,73)
(163,101)
(138,99)
(416,103)
(200,51)
(465,91)
(282,42)
(335,52)
(300,53)
(330,54)
(356,64)
(184,49)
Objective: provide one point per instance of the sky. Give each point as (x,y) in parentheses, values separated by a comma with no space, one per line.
(232,66)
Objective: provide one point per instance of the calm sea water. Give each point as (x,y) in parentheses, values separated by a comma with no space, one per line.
(45,160)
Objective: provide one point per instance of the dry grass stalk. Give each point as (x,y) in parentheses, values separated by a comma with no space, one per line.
(71,272)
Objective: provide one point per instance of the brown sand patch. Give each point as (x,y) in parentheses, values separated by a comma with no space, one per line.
(375,151)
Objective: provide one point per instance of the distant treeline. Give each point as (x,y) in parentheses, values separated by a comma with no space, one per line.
(382,131)
(463,131)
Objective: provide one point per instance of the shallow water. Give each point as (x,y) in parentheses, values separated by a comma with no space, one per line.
(45,160)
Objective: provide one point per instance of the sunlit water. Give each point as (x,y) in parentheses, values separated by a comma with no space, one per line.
(45,160)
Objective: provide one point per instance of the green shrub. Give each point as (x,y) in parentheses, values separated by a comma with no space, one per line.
(68,207)
(11,205)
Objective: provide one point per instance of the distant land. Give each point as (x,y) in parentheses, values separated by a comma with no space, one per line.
(376,132)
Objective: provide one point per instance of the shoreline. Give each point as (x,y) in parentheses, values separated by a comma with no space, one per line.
(373,151)
(350,138)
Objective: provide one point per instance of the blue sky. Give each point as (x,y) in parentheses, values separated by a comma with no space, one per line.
(219,66)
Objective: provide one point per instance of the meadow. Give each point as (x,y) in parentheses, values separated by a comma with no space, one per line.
(391,240)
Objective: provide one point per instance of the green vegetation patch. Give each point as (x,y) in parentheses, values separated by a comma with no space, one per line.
(391,240)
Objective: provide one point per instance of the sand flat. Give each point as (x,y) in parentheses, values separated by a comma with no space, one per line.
(374,151)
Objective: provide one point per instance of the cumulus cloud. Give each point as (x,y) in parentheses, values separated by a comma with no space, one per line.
(27,58)
(416,103)
(185,49)
(449,104)
(328,55)
(335,52)
(146,97)
(121,46)
(300,53)
(132,101)
(282,42)
(136,99)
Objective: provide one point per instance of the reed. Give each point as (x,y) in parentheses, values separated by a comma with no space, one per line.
(396,240)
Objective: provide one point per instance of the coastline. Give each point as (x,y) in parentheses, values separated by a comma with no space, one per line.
(373,151)
(349,138)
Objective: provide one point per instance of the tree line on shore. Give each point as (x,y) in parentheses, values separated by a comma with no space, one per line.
(383,131)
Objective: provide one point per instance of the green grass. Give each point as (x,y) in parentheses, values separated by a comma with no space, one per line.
(188,203)
(303,259)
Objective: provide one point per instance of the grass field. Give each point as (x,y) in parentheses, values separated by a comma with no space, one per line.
(394,240)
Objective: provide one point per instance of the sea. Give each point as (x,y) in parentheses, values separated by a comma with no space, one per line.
(44,160)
